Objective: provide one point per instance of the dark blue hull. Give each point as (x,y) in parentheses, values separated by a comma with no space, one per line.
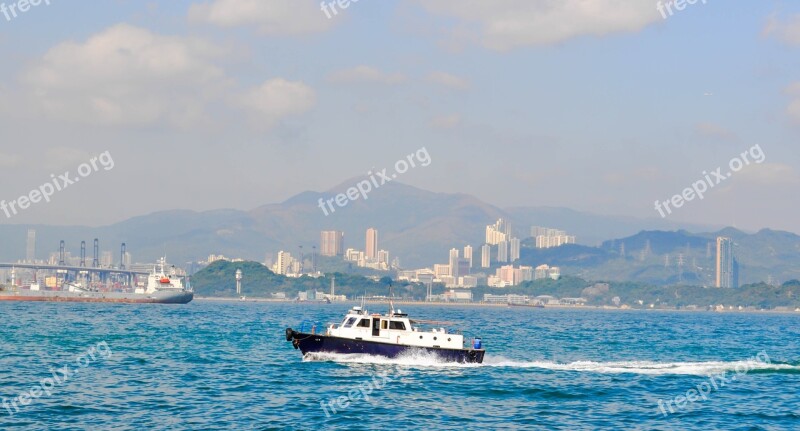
(315,343)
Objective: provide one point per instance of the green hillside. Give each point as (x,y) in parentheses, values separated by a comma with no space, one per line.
(218,280)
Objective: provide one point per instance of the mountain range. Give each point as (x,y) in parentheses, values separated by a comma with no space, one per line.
(418,226)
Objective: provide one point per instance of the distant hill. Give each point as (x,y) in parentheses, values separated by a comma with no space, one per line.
(655,257)
(415,225)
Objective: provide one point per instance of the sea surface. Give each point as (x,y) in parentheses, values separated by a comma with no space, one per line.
(227,366)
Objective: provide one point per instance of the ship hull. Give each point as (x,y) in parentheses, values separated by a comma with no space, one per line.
(316,343)
(111,297)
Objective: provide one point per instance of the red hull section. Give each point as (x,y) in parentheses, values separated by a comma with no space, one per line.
(63,299)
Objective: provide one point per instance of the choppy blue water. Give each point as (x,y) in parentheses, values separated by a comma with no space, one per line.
(220,366)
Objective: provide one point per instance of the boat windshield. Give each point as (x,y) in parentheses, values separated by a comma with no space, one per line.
(349,322)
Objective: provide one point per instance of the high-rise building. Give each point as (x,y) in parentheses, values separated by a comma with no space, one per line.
(726,264)
(372,243)
(30,252)
(454,262)
(383,258)
(515,245)
(284,263)
(500,231)
(441,270)
(468,254)
(331,243)
(463,267)
(502,251)
(545,241)
(506,274)
(486,256)
(523,274)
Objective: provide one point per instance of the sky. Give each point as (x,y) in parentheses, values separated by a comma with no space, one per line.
(604,106)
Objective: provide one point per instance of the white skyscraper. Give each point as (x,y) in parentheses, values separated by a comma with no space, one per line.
(500,231)
(283,265)
(502,251)
(515,245)
(468,254)
(372,243)
(726,276)
(454,262)
(486,256)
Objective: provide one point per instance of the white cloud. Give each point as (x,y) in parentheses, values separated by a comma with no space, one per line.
(788,31)
(271,17)
(361,74)
(506,24)
(129,76)
(278,98)
(448,80)
(125,75)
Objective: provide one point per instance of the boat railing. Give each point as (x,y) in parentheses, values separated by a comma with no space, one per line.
(312,327)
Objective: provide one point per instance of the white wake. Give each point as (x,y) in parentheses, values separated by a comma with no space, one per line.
(419,359)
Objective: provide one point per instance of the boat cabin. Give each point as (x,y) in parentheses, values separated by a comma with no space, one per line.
(393,328)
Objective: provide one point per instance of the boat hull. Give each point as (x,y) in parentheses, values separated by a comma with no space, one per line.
(317,343)
(112,297)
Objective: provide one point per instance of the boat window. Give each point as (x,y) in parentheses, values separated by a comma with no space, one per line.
(394,324)
(384,324)
(350,322)
(364,323)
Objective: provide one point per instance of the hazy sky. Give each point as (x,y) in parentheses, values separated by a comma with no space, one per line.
(597,105)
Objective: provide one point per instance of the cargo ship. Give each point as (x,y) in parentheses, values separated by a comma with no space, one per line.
(161,288)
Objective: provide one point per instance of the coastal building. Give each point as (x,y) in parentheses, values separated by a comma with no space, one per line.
(523,274)
(486,256)
(548,238)
(500,231)
(468,254)
(463,267)
(283,264)
(441,270)
(468,281)
(216,258)
(331,243)
(383,258)
(372,243)
(495,281)
(506,274)
(502,251)
(514,243)
(726,266)
(456,295)
(453,260)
